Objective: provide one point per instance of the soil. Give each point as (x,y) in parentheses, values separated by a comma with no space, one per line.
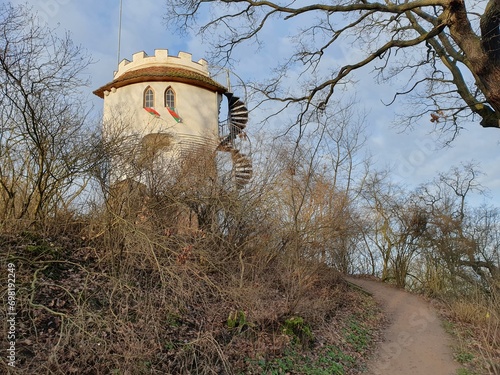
(414,342)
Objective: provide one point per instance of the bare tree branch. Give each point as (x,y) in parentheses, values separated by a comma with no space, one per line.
(445,30)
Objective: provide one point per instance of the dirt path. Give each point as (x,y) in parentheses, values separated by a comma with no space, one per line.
(414,342)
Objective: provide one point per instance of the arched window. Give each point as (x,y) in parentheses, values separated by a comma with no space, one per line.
(149,98)
(170,98)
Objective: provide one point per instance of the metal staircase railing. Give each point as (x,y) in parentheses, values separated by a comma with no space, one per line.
(237,122)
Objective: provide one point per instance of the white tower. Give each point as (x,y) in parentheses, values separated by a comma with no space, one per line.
(171,102)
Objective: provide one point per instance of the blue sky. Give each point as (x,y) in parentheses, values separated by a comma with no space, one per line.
(412,154)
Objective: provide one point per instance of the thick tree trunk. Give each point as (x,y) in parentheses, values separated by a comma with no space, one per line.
(490,31)
(482,54)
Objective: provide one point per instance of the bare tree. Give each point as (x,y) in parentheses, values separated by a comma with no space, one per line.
(484,232)
(447,53)
(462,240)
(314,202)
(397,224)
(46,148)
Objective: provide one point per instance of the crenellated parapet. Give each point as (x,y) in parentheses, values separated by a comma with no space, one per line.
(161,57)
(161,68)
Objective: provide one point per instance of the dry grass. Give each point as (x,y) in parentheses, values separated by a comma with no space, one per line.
(475,320)
(179,275)
(146,291)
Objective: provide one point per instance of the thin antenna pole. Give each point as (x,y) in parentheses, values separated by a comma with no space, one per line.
(119,33)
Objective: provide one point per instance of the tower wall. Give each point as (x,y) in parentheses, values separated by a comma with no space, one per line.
(197,107)
(197,100)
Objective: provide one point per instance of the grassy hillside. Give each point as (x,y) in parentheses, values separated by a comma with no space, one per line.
(179,304)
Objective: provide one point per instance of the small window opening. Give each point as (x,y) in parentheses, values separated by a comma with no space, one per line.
(170,98)
(149,98)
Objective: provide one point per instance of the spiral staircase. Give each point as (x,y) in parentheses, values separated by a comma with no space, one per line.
(236,123)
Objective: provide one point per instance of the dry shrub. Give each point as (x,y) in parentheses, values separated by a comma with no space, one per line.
(477,325)
(161,306)
(470,312)
(156,275)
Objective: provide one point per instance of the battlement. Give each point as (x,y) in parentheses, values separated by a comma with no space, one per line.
(142,60)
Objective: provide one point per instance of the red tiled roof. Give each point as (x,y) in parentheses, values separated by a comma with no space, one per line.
(162,74)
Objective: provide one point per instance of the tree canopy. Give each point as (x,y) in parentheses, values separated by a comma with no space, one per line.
(444,55)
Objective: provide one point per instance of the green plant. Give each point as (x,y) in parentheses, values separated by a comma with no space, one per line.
(330,360)
(335,355)
(237,319)
(357,335)
(173,320)
(448,326)
(464,357)
(298,329)
(464,371)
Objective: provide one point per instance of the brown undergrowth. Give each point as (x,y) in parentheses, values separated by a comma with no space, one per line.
(475,320)
(177,304)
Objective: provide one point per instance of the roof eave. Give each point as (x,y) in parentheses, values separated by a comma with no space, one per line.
(159,78)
